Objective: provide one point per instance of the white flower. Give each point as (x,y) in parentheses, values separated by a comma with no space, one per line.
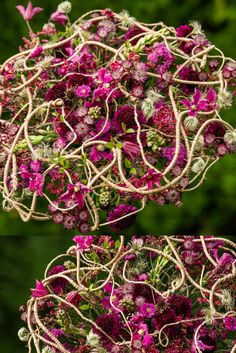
(230,137)
(46,62)
(225,98)
(197,27)
(191,123)
(23,334)
(154,96)
(93,339)
(198,166)
(48,349)
(148,108)
(126,20)
(65,7)
(199,144)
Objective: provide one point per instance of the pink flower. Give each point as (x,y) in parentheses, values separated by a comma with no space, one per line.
(230,323)
(147,310)
(36,52)
(40,290)
(83,242)
(196,104)
(29,12)
(211,100)
(36,181)
(151,178)
(59,17)
(76,193)
(131,149)
(83,91)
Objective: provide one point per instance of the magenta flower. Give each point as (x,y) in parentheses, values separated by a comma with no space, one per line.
(75,193)
(147,310)
(224,259)
(40,290)
(196,104)
(151,178)
(230,323)
(59,17)
(29,12)
(83,242)
(38,51)
(36,181)
(131,149)
(83,91)
(96,154)
(211,100)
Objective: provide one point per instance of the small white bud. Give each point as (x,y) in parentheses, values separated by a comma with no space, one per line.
(23,334)
(126,20)
(93,339)
(154,96)
(46,62)
(65,7)
(198,166)
(225,99)
(199,144)
(48,349)
(191,123)
(197,27)
(148,108)
(230,137)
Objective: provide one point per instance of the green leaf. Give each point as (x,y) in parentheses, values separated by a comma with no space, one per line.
(133,171)
(119,145)
(130,130)
(106,244)
(117,243)
(84,307)
(123,126)
(127,163)
(110,145)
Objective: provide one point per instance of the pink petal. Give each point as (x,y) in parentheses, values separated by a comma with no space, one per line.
(197,96)
(21,9)
(36,10)
(211,95)
(186,102)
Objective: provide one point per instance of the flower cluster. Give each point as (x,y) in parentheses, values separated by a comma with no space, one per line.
(101,116)
(154,294)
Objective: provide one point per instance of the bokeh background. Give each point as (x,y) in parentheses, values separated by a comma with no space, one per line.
(210,209)
(22,260)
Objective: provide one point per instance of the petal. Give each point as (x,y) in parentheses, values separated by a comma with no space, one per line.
(202,105)
(80,199)
(186,102)
(36,10)
(211,95)
(21,9)
(149,184)
(197,96)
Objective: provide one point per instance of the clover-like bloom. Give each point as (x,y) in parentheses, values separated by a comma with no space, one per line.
(196,104)
(40,290)
(29,12)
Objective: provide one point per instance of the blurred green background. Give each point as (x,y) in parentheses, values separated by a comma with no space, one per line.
(209,209)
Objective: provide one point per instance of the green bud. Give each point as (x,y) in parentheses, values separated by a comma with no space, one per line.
(23,334)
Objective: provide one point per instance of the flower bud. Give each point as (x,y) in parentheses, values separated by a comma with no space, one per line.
(65,7)
(230,137)
(199,144)
(191,123)
(23,334)
(93,339)
(48,349)
(148,108)
(198,166)
(225,99)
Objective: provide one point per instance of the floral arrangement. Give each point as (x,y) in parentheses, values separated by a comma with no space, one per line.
(101,116)
(154,294)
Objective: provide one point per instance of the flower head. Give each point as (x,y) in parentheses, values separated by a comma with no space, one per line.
(196,104)
(59,17)
(83,242)
(29,12)
(40,290)
(151,178)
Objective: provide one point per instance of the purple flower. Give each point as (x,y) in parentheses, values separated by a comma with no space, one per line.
(121,211)
(59,17)
(110,324)
(97,154)
(40,290)
(183,30)
(38,51)
(83,242)
(76,193)
(168,152)
(29,12)
(147,310)
(151,178)
(230,323)
(181,305)
(131,149)
(35,166)
(58,285)
(211,100)
(161,56)
(36,181)
(124,117)
(196,104)
(83,91)
(224,259)
(73,297)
